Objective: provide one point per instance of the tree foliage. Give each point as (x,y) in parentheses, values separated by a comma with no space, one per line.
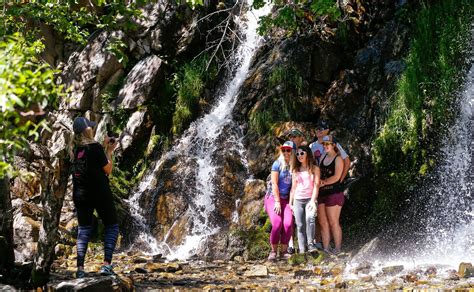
(27,88)
(27,84)
(293,16)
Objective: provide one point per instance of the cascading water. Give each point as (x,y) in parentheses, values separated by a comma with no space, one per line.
(196,152)
(441,232)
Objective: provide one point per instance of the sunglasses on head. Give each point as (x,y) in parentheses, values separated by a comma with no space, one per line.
(285,150)
(300,153)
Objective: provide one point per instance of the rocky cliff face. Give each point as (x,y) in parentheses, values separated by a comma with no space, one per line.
(311,76)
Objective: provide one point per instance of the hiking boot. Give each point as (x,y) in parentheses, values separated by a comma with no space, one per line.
(291,250)
(285,256)
(272,256)
(319,245)
(107,270)
(332,251)
(80,274)
(312,247)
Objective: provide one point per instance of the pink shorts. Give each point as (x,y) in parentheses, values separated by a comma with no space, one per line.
(332,200)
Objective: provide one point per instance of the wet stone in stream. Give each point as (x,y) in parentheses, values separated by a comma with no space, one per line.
(143,272)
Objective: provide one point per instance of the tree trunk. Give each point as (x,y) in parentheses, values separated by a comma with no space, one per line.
(7,255)
(54,181)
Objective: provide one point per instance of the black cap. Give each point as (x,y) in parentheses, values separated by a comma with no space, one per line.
(81,123)
(322,124)
(295,133)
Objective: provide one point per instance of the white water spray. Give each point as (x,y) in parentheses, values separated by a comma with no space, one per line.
(447,238)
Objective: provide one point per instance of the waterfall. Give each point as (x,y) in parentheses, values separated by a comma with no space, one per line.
(442,231)
(196,151)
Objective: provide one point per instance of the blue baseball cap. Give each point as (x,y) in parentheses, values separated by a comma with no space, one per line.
(81,123)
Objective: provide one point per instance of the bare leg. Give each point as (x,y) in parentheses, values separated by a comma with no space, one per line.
(323,222)
(333,214)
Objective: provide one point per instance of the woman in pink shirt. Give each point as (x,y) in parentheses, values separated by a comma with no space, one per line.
(303,196)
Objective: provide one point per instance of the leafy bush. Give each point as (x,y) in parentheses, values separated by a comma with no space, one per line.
(27,88)
(189,83)
(295,14)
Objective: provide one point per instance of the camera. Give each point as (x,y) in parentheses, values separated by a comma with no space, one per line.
(112,137)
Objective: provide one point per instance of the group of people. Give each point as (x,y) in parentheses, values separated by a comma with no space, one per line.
(306,182)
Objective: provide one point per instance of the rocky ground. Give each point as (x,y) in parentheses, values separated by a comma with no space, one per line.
(308,272)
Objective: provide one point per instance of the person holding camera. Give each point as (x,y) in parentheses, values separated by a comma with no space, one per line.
(92,164)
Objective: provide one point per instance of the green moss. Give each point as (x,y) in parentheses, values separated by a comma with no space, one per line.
(297,259)
(256,239)
(425,92)
(283,106)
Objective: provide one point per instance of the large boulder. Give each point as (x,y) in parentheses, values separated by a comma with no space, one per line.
(88,71)
(140,83)
(252,203)
(138,125)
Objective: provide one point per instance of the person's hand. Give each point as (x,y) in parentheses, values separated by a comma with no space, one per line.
(291,207)
(110,144)
(312,205)
(321,183)
(277,208)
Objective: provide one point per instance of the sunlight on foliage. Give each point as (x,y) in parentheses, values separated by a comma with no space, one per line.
(190,82)
(27,88)
(292,16)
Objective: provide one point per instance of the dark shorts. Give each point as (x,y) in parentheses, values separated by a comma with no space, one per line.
(332,200)
(102,202)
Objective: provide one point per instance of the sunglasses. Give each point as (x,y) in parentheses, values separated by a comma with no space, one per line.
(285,150)
(301,153)
(320,129)
(327,143)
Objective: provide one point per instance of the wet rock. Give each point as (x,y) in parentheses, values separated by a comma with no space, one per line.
(157,267)
(366,278)
(431,271)
(141,270)
(452,275)
(336,271)
(90,284)
(257,271)
(412,277)
(466,270)
(251,203)
(140,260)
(325,59)
(392,270)
(140,83)
(304,274)
(363,268)
(238,259)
